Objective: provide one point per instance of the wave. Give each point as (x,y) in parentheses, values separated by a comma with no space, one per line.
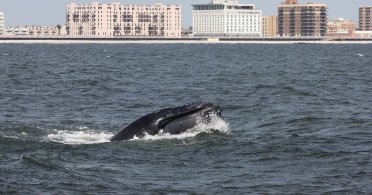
(87,136)
(80,137)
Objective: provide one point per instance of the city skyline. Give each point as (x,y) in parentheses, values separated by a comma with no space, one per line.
(55,11)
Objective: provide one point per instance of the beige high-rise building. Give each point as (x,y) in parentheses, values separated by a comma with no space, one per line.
(365,18)
(269,26)
(302,19)
(1,23)
(116,19)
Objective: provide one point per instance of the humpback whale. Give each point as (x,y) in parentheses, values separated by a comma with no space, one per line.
(174,120)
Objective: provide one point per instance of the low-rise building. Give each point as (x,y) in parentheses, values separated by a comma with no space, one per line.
(186,32)
(43,31)
(340,27)
(226,18)
(16,31)
(116,19)
(363,34)
(35,31)
(269,26)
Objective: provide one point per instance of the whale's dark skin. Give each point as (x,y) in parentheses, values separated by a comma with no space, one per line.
(173,120)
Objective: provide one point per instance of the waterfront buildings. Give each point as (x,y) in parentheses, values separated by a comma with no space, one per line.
(16,31)
(1,23)
(116,19)
(363,34)
(186,32)
(298,20)
(340,27)
(365,18)
(226,18)
(269,26)
(35,31)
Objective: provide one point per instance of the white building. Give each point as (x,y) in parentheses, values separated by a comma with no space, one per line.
(17,31)
(1,23)
(226,18)
(116,19)
(35,31)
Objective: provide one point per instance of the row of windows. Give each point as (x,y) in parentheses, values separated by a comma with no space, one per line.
(129,29)
(127,7)
(228,16)
(231,28)
(243,16)
(227,30)
(120,13)
(126,24)
(119,22)
(244,30)
(244,24)
(247,20)
(227,23)
(228,19)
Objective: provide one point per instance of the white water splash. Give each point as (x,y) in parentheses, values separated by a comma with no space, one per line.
(80,137)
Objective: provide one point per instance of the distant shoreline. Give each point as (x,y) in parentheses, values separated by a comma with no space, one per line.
(141,40)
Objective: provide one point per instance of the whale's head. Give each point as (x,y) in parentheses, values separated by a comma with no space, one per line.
(179,119)
(174,120)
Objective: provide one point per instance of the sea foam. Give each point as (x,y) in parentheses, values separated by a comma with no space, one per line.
(80,137)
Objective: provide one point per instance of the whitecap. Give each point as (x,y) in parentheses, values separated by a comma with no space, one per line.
(80,137)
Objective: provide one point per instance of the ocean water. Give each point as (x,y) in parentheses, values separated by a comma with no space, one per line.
(297,118)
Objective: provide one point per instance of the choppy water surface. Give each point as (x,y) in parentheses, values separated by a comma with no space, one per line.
(298,118)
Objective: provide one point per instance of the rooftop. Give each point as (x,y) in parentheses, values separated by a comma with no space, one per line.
(232,4)
(310,4)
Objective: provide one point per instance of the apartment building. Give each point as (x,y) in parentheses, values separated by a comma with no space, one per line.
(297,20)
(116,19)
(365,18)
(269,26)
(1,23)
(226,18)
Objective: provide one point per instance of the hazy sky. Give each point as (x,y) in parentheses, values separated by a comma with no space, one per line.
(52,12)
